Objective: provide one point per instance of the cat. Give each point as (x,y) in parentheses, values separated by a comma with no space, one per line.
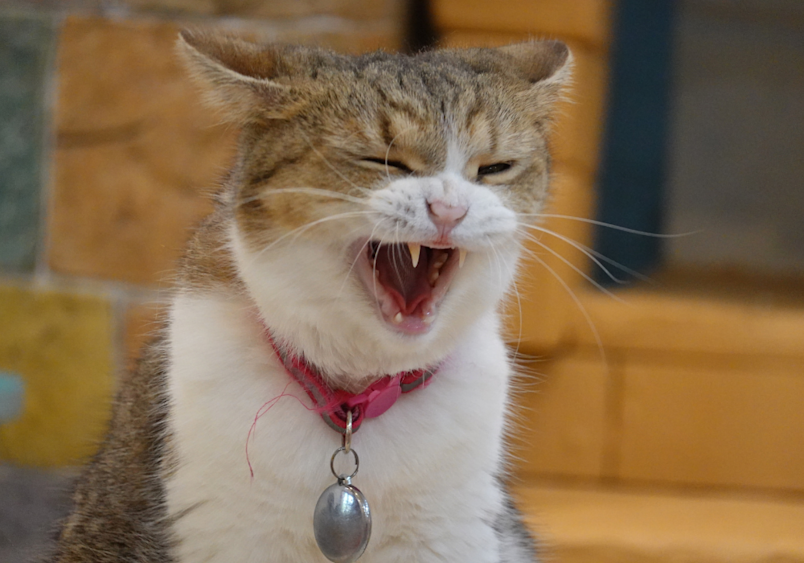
(370,227)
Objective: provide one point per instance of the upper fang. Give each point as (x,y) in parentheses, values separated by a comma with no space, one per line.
(461,257)
(415,250)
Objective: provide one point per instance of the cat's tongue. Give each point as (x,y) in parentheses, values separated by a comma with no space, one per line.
(408,286)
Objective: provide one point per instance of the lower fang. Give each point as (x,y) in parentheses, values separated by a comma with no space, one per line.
(433,277)
(428,320)
(398,318)
(461,257)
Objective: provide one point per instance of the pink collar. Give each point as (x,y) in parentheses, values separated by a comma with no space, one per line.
(333,404)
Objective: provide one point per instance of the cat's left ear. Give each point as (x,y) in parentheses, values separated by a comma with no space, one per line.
(545,64)
(544,68)
(243,79)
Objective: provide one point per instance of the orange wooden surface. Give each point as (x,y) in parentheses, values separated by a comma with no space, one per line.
(585,20)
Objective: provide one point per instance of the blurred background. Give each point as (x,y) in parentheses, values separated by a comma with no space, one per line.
(661,408)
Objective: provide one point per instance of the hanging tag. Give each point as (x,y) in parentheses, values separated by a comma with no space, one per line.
(342,519)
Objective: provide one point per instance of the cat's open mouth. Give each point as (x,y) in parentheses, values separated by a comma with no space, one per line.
(408,281)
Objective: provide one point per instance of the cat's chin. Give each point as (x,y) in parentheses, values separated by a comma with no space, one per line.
(407,281)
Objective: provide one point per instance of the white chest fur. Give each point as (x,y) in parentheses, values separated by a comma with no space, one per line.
(426,466)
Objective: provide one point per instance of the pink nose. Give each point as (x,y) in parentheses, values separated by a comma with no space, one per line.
(444,215)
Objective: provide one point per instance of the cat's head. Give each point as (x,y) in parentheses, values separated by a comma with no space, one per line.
(380,198)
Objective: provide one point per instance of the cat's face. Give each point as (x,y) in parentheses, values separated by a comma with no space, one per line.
(392,187)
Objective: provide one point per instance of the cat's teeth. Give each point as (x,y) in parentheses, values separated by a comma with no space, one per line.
(461,257)
(398,318)
(415,249)
(440,260)
(433,276)
(428,315)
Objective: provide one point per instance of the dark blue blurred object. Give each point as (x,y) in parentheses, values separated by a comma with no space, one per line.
(633,165)
(12,395)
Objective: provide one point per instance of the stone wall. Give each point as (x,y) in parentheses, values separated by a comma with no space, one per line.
(106,156)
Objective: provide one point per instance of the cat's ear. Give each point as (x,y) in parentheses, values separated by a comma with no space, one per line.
(547,66)
(238,77)
(543,63)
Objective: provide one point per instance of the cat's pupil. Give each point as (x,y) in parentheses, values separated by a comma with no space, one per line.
(495,168)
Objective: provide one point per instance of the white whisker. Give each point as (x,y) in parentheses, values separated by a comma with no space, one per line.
(303,190)
(388,151)
(357,257)
(329,164)
(573,266)
(593,255)
(299,230)
(609,225)
(580,306)
(516,292)
(395,257)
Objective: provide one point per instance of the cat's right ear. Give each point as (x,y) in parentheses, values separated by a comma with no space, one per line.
(237,77)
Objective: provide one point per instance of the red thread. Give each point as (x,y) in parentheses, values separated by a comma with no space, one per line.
(260,412)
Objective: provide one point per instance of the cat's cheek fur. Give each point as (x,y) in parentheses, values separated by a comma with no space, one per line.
(428,465)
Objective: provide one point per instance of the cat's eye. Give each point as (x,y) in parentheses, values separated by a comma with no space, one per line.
(495,168)
(400,166)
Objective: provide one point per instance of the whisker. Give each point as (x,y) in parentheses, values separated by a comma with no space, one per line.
(325,219)
(515,287)
(516,292)
(388,151)
(574,267)
(394,256)
(519,318)
(531,358)
(580,306)
(299,230)
(329,164)
(374,276)
(593,255)
(357,256)
(497,258)
(610,226)
(304,190)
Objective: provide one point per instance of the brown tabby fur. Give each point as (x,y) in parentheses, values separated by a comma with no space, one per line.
(119,500)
